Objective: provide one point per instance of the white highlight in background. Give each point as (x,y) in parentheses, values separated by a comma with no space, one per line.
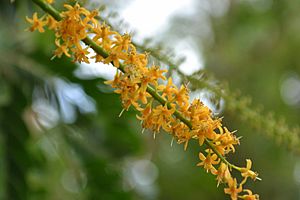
(149,17)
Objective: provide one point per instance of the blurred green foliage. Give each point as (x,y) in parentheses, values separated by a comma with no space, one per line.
(252,46)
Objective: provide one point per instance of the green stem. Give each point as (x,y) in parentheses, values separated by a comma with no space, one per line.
(48,9)
(98,49)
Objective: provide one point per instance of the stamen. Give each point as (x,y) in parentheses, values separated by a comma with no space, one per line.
(172,141)
(121,112)
(52,58)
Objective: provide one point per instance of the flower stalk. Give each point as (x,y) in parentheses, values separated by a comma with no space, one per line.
(138,84)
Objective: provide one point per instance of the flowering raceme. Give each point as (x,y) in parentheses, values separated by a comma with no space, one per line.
(160,107)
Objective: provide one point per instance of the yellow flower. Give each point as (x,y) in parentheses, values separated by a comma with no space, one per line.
(145,112)
(182,98)
(91,18)
(223,174)
(36,23)
(156,73)
(114,58)
(51,22)
(61,49)
(80,54)
(168,90)
(104,33)
(122,43)
(75,11)
(127,89)
(71,30)
(185,137)
(162,115)
(246,172)
(204,130)
(208,162)
(233,190)
(176,128)
(142,95)
(180,131)
(225,142)
(138,60)
(128,102)
(199,112)
(249,196)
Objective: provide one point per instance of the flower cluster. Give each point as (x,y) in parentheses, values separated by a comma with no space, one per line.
(160,106)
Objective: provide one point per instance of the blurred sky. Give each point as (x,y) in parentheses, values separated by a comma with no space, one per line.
(148,19)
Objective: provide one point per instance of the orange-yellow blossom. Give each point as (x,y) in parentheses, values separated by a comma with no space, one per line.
(249,195)
(247,172)
(37,24)
(138,85)
(233,189)
(209,161)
